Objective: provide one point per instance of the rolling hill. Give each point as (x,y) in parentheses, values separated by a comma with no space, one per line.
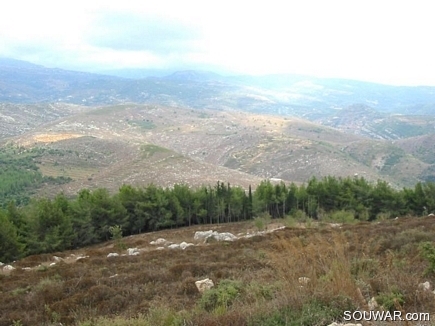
(199,127)
(141,144)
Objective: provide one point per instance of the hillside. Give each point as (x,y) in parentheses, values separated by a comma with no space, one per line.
(332,102)
(309,273)
(142,144)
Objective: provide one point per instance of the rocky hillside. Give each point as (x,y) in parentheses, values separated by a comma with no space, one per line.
(140,144)
(251,278)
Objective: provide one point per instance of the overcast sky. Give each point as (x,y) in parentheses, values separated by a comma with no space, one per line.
(382,41)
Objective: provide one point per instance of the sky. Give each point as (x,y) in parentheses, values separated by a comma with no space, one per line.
(382,41)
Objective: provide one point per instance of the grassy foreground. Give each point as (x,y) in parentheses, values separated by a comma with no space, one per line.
(257,279)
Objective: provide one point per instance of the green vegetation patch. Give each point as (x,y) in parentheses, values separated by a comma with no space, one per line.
(143,124)
(107,110)
(149,150)
(20,176)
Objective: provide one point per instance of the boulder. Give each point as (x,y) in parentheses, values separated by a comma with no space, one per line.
(425,286)
(372,304)
(304,280)
(8,268)
(185,245)
(113,254)
(225,236)
(204,285)
(81,258)
(133,251)
(202,235)
(159,241)
(209,236)
(174,246)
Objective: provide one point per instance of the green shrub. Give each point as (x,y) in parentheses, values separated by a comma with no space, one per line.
(116,233)
(313,313)
(300,216)
(427,251)
(342,216)
(221,297)
(390,300)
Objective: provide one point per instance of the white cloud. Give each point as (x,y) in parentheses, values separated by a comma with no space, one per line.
(384,41)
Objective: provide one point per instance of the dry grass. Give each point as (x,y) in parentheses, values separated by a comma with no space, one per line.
(345,266)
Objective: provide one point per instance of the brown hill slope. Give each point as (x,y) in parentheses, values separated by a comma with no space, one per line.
(139,144)
(305,273)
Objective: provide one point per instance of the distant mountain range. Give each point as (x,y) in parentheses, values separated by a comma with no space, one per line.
(309,97)
(192,123)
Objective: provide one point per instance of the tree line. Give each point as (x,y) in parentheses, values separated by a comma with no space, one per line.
(49,225)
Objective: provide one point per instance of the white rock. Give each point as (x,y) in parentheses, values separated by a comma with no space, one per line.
(202,235)
(113,254)
(57,259)
(304,280)
(226,236)
(204,285)
(8,268)
(425,286)
(26,269)
(1,264)
(372,304)
(160,248)
(133,251)
(52,264)
(115,275)
(174,246)
(81,257)
(184,245)
(159,241)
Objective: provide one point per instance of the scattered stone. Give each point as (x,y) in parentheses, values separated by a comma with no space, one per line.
(185,245)
(8,268)
(26,269)
(174,246)
(113,254)
(133,251)
(1,264)
(202,235)
(81,258)
(159,241)
(225,236)
(210,235)
(425,286)
(52,264)
(160,248)
(115,275)
(57,259)
(372,304)
(304,280)
(204,285)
